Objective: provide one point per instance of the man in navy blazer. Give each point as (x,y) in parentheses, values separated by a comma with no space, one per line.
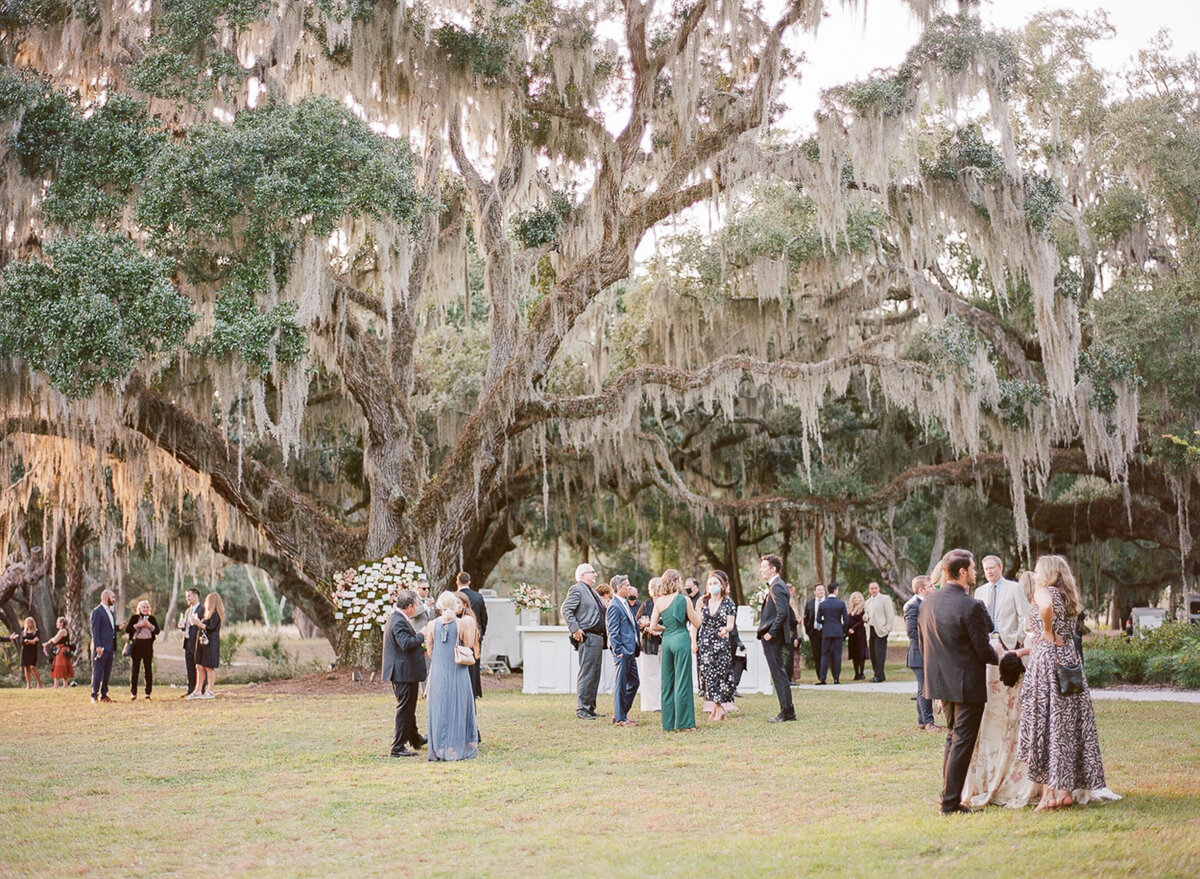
(834,619)
(623,640)
(921,586)
(104,644)
(404,666)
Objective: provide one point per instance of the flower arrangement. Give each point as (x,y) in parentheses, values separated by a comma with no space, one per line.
(526,596)
(757,599)
(364,595)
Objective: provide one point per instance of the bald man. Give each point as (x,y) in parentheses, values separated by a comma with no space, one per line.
(584,614)
(104,643)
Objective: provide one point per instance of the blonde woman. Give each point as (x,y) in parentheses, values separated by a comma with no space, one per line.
(208,656)
(1058,737)
(672,614)
(856,635)
(142,629)
(649,666)
(31,645)
(453,729)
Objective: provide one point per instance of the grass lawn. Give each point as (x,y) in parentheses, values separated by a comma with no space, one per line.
(261,782)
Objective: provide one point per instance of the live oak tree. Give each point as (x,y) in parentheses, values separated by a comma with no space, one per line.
(325,280)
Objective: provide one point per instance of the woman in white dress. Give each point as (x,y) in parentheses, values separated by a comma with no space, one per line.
(649,665)
(996,775)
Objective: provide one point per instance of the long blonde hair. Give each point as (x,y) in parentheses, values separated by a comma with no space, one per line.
(654,587)
(213,602)
(1055,572)
(1027,585)
(937,577)
(856,600)
(672,582)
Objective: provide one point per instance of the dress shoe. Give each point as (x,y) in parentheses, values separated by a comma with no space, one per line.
(133,698)
(419,742)
(404,752)
(94,700)
(957,810)
(860,677)
(836,681)
(147,697)
(875,680)
(583,715)
(820,683)
(782,718)
(934,728)
(105,699)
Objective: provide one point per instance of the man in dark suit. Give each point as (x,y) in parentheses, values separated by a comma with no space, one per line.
(773,631)
(921,587)
(584,615)
(479,608)
(104,644)
(833,619)
(952,630)
(404,666)
(812,626)
(623,640)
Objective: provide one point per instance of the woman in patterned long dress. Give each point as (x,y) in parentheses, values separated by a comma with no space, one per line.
(714,650)
(1058,738)
(672,613)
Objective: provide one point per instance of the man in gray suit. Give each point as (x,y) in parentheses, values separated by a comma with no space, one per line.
(1005,602)
(584,615)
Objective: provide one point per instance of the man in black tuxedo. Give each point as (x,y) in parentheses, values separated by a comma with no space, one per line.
(812,626)
(479,608)
(953,630)
(773,630)
(833,619)
(404,666)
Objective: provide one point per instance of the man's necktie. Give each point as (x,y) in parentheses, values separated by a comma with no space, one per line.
(992,603)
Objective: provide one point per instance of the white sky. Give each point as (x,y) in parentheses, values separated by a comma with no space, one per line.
(851,44)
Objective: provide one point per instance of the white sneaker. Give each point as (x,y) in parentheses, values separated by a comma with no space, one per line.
(190,696)
(209,695)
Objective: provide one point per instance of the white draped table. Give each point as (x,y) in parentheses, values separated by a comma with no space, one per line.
(551,664)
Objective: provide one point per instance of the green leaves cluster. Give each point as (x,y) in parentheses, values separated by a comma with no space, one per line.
(89,314)
(182,60)
(232,202)
(952,43)
(539,227)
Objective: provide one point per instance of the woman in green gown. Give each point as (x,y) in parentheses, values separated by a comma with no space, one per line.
(670,618)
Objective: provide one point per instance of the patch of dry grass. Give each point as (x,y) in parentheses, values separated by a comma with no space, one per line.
(289,785)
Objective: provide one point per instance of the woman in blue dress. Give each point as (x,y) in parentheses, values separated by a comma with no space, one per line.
(453,731)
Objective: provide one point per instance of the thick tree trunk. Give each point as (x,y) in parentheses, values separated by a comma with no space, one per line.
(76,621)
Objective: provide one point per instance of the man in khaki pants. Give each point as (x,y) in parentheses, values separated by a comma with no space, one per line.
(880,616)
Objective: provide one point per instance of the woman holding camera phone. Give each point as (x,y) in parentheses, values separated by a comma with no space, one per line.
(142,628)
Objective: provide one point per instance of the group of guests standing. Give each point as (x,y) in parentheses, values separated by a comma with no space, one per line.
(1008,740)
(59,649)
(200,625)
(436,643)
(653,644)
(201,629)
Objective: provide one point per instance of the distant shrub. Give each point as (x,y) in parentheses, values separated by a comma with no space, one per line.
(1187,669)
(1160,668)
(231,641)
(1100,667)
